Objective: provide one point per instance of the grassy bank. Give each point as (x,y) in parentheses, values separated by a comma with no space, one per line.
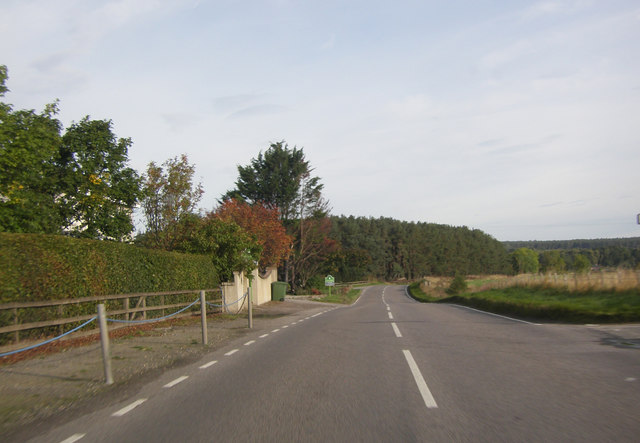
(342,297)
(550,304)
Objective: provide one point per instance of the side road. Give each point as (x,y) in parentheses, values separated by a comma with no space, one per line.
(46,389)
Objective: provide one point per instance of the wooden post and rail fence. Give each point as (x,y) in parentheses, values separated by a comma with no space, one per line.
(134,306)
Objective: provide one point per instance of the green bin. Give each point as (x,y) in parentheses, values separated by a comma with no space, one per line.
(278,290)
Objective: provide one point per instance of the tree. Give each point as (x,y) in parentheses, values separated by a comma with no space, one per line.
(312,249)
(264,224)
(552,261)
(581,264)
(29,144)
(525,261)
(230,247)
(280,178)
(76,183)
(169,198)
(97,190)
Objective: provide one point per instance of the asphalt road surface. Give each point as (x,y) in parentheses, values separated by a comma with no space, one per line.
(387,369)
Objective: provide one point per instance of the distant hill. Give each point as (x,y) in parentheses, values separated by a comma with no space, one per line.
(631,242)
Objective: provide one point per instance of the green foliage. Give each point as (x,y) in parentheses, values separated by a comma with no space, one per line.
(227,244)
(169,201)
(97,190)
(392,249)
(458,285)
(75,183)
(29,144)
(552,261)
(280,178)
(581,264)
(525,261)
(611,252)
(48,267)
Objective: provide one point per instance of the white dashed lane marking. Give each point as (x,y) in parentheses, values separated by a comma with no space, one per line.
(231,352)
(206,365)
(263,335)
(429,401)
(73,438)
(171,384)
(126,409)
(250,342)
(396,330)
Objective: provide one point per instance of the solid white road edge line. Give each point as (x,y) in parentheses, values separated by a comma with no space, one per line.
(171,384)
(396,330)
(73,438)
(126,409)
(206,365)
(429,401)
(496,315)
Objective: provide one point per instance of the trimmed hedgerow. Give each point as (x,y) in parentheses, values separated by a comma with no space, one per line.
(49,267)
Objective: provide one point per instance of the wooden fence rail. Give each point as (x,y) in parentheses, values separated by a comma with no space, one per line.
(12,324)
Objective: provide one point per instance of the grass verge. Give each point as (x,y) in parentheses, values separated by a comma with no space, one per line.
(550,304)
(343,298)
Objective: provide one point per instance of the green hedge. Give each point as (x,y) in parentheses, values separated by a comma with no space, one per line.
(47,267)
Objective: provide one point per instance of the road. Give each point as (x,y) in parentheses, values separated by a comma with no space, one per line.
(387,369)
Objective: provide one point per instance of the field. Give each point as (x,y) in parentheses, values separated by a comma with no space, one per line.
(600,298)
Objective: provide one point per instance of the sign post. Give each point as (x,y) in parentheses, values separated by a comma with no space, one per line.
(329,281)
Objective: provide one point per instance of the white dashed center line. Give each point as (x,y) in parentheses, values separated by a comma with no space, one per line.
(126,409)
(206,365)
(275,330)
(429,401)
(73,438)
(231,352)
(171,384)
(263,335)
(250,342)
(396,330)
(390,316)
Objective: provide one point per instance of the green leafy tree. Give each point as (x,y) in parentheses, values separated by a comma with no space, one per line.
(98,190)
(525,261)
(552,261)
(458,285)
(581,264)
(169,201)
(280,178)
(29,144)
(76,183)
(231,248)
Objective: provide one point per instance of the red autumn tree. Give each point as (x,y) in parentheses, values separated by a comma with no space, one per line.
(264,224)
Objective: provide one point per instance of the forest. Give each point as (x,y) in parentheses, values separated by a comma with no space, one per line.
(393,249)
(602,252)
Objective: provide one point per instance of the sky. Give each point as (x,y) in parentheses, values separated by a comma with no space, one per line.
(518,118)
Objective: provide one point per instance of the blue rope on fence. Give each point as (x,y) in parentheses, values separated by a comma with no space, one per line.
(228,304)
(115,320)
(48,341)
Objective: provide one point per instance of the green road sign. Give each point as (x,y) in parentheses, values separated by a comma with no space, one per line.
(329,281)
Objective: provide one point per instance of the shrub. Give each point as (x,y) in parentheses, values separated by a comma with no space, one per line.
(458,285)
